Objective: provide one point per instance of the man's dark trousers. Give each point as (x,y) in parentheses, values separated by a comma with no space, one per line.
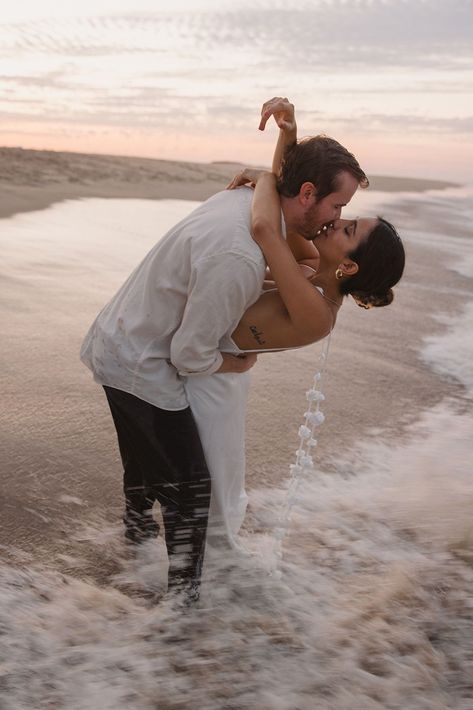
(163,460)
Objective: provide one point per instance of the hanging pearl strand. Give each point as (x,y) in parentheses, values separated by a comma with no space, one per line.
(304,464)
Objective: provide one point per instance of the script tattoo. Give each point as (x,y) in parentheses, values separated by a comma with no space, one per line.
(257,335)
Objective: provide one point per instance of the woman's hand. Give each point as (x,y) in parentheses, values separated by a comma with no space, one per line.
(284,115)
(248,176)
(283,112)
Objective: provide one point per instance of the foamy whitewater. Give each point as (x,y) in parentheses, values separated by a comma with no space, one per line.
(373,605)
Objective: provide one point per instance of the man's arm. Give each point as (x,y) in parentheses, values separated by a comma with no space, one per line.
(220,289)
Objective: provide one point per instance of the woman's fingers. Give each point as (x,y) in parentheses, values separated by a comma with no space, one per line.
(282,110)
(232,184)
(266,112)
(249,176)
(269,108)
(238,180)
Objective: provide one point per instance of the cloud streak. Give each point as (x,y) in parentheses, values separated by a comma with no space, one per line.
(332,32)
(196,69)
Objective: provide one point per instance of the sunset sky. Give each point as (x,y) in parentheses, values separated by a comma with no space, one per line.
(183,79)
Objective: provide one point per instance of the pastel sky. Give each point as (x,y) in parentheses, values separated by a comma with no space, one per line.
(183,79)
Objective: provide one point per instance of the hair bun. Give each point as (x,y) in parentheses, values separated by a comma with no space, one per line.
(373,300)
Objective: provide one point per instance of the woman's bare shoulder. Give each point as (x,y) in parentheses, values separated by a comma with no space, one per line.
(267,325)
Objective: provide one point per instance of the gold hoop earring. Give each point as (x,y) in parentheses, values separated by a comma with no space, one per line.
(339,274)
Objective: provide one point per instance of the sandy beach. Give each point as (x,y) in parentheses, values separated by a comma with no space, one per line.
(34,179)
(60,473)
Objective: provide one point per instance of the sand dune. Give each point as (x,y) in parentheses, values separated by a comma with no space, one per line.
(34,179)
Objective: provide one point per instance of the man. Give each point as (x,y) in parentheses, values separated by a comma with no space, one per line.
(166,322)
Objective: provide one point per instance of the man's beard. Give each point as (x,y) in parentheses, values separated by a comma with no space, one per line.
(309,227)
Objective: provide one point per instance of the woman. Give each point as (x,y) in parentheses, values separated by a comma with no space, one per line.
(364,258)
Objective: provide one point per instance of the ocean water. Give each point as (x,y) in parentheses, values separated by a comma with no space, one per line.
(373,603)
(447,217)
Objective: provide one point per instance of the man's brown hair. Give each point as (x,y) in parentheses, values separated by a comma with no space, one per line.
(318,160)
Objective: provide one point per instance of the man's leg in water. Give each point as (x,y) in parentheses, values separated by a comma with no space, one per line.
(163,460)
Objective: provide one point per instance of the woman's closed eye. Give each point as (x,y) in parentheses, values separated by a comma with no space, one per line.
(351,228)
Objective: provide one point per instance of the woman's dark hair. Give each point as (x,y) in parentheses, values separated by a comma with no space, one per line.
(318,160)
(380,260)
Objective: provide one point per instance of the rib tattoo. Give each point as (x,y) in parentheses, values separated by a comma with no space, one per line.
(257,335)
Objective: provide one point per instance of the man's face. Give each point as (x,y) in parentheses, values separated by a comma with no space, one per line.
(322,213)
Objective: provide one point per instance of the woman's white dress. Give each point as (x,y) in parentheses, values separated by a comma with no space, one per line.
(218,403)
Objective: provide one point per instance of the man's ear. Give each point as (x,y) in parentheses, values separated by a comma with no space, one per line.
(348,267)
(307,194)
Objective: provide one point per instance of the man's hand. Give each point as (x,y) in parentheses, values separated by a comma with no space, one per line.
(283,112)
(236,363)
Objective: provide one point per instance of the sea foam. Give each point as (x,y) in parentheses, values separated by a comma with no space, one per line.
(373,607)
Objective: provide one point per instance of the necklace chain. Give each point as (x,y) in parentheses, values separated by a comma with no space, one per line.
(332,301)
(326,297)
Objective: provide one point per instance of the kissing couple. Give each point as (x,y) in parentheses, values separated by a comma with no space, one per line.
(249,271)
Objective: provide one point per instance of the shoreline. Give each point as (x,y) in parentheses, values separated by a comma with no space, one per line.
(35,179)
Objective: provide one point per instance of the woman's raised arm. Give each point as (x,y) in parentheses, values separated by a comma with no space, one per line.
(283,112)
(285,117)
(308,312)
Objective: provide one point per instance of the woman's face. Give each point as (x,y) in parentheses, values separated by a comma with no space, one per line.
(343,237)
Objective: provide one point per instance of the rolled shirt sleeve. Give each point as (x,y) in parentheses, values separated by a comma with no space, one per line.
(221,288)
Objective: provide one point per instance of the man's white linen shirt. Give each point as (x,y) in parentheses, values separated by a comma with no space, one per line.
(168,318)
